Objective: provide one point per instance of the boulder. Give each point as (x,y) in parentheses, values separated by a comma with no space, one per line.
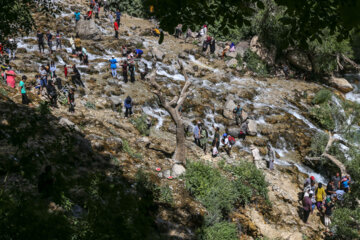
(299,60)
(159,55)
(87,29)
(267,55)
(258,160)
(114,143)
(341,84)
(231,54)
(67,123)
(244,115)
(251,128)
(177,170)
(232,63)
(241,48)
(234,131)
(228,109)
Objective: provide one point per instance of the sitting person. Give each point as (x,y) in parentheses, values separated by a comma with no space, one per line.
(156,32)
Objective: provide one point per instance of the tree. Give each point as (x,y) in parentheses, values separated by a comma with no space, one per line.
(172,107)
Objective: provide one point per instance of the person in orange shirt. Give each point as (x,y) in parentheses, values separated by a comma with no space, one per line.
(116,28)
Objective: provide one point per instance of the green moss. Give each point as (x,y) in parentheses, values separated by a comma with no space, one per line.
(254,63)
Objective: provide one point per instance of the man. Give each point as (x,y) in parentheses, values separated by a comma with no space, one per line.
(197,134)
(329,205)
(336,179)
(330,189)
(71,100)
(51,91)
(320,196)
(116,28)
(345,184)
(125,71)
(203,138)
(226,144)
(49,37)
(216,140)
(77,43)
(43,78)
(307,207)
(132,72)
(128,106)
(237,112)
(58,40)
(138,53)
(12,46)
(178,31)
(22,89)
(76,77)
(113,66)
(40,38)
(77,16)
(309,181)
(118,15)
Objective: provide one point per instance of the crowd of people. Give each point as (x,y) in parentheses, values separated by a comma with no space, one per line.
(315,195)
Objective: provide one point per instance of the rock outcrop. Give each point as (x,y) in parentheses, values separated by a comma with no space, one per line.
(267,55)
(87,29)
(341,84)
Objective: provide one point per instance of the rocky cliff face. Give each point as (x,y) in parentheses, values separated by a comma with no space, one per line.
(277,112)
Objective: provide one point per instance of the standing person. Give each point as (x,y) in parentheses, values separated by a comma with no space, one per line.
(227,48)
(330,189)
(125,71)
(38,83)
(77,16)
(307,207)
(43,78)
(58,83)
(188,34)
(345,184)
(178,31)
(203,138)
(49,38)
(238,114)
(97,10)
(40,39)
(77,43)
(206,43)
(118,16)
(72,43)
(124,50)
(116,29)
(226,143)
(111,18)
(337,180)
(197,134)
(329,205)
(128,106)
(85,56)
(12,46)
(212,46)
(10,77)
(113,63)
(320,196)
(22,89)
(71,100)
(53,69)
(89,14)
(271,157)
(58,40)
(132,72)
(65,71)
(51,91)
(216,140)
(76,77)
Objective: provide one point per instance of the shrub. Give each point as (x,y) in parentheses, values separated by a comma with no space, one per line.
(90,105)
(44,108)
(220,231)
(140,124)
(254,63)
(130,151)
(318,143)
(165,194)
(346,223)
(322,96)
(323,115)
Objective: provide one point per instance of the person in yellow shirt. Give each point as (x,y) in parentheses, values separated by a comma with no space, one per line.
(320,196)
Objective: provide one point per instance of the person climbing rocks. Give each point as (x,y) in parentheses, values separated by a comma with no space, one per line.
(204,135)
(85,56)
(228,141)
(116,29)
(37,83)
(65,71)
(329,206)
(58,40)
(226,49)
(49,38)
(188,34)
(345,181)
(53,69)
(156,32)
(203,31)
(286,71)
(307,207)
(77,43)
(118,16)
(232,47)
(113,67)
(132,72)
(11,46)
(58,83)
(238,114)
(337,180)
(77,16)
(128,106)
(76,77)
(10,77)
(22,89)
(92,4)
(71,100)
(197,133)
(216,141)
(178,31)
(125,71)
(138,53)
(88,15)
(320,196)
(52,94)
(309,181)
(243,130)
(40,39)
(111,19)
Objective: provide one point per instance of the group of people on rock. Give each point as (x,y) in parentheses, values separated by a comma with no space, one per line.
(8,49)
(324,199)
(49,38)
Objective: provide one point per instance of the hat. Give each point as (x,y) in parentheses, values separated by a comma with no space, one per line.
(312,178)
(224,135)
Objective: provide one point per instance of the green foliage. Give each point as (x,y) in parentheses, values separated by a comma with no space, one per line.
(44,108)
(131,151)
(318,143)
(133,8)
(322,96)
(90,105)
(140,123)
(63,99)
(220,231)
(254,63)
(3,91)
(323,115)
(346,223)
(165,194)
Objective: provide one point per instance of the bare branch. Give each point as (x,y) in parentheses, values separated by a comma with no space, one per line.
(351,62)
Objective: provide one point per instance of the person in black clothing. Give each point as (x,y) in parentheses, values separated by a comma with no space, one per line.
(71,101)
(58,83)
(40,38)
(206,43)
(132,72)
(51,91)
(143,74)
(76,77)
(49,37)
(124,70)
(212,46)
(128,106)
(46,182)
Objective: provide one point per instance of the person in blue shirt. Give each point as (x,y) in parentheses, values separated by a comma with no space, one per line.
(237,112)
(128,106)
(345,184)
(22,87)
(113,63)
(77,16)
(138,53)
(118,15)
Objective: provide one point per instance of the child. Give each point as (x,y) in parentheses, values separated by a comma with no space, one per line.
(65,71)
(22,89)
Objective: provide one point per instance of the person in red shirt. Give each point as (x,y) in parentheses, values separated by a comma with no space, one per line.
(116,28)
(65,71)
(89,15)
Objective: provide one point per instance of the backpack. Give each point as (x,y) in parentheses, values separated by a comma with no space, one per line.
(231,140)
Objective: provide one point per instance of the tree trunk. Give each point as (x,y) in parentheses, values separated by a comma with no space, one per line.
(180,151)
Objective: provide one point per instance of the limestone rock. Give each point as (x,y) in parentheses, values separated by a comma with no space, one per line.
(229,108)
(299,60)
(251,128)
(67,123)
(159,55)
(87,29)
(341,84)
(234,131)
(265,54)
(232,63)
(177,170)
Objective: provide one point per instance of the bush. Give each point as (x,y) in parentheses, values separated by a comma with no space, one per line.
(322,96)
(44,108)
(346,223)
(323,115)
(220,231)
(254,63)
(90,105)
(165,194)
(140,124)
(130,151)
(318,143)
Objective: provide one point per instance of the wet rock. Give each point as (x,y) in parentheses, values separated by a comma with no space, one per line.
(229,108)
(177,170)
(156,53)
(115,100)
(241,48)
(87,29)
(258,161)
(341,84)
(251,128)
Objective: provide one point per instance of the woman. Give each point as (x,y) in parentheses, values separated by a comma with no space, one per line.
(10,77)
(53,70)
(58,40)
(51,91)
(72,43)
